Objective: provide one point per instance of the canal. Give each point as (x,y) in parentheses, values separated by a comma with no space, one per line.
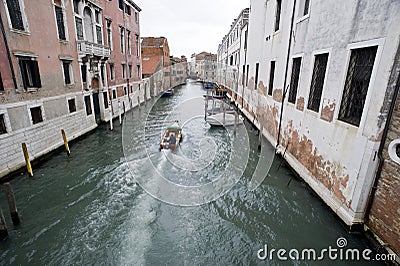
(103,205)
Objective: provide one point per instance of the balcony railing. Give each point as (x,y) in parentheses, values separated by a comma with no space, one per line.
(90,48)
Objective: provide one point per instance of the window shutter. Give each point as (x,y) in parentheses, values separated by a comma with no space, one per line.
(24,74)
(35,74)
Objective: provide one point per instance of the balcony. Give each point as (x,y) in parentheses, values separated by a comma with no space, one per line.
(90,48)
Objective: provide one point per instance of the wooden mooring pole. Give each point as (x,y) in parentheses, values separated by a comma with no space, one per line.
(27,160)
(65,142)
(111,117)
(11,204)
(3,226)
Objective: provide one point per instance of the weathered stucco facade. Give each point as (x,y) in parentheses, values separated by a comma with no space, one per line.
(316,77)
(62,75)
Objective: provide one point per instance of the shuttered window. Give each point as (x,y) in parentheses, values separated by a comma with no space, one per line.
(30,73)
(60,22)
(14,10)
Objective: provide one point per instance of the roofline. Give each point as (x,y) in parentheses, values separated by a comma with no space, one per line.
(134,5)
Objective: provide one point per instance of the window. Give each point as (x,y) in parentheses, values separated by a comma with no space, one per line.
(114,94)
(123,71)
(121,4)
(97,16)
(137,44)
(243,74)
(30,72)
(79,28)
(76,6)
(36,114)
(112,71)
(105,99)
(122,40)
(294,81)
(306,7)
(67,70)
(125,91)
(247,76)
(84,73)
(130,71)
(60,22)
(136,17)
(131,88)
(14,11)
(71,105)
(1,83)
(3,128)
(256,78)
(317,82)
(102,73)
(99,35)
(88,105)
(278,14)
(109,34)
(271,78)
(138,70)
(128,10)
(356,87)
(128,36)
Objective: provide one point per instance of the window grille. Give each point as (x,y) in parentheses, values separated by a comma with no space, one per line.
(79,28)
(15,13)
(317,82)
(294,82)
(356,86)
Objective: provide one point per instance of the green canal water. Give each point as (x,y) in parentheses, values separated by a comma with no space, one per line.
(91,209)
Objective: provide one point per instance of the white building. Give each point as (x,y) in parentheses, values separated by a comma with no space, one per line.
(332,65)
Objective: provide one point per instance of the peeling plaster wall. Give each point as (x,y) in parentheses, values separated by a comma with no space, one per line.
(335,158)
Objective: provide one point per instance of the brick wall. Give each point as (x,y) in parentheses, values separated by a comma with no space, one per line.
(384,219)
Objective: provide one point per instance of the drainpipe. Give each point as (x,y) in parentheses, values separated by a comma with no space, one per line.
(380,150)
(284,90)
(8,54)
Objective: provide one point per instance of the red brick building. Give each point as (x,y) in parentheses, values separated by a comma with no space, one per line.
(384,215)
(155,55)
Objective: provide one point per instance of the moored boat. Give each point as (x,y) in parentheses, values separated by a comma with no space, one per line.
(167,93)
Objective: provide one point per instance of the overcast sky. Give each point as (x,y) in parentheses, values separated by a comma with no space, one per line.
(191,26)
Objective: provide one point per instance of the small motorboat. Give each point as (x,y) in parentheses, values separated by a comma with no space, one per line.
(167,93)
(171,137)
(219,121)
(217,110)
(208,86)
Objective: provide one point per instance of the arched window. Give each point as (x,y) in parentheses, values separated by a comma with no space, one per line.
(88,24)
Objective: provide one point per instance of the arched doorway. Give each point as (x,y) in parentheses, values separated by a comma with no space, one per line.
(88,24)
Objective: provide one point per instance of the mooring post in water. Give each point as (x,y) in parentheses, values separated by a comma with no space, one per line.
(3,226)
(65,142)
(111,116)
(27,160)
(11,204)
(236,121)
(206,106)
(260,135)
(119,112)
(138,100)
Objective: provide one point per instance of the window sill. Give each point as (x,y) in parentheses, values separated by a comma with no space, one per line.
(32,90)
(303,18)
(22,32)
(63,41)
